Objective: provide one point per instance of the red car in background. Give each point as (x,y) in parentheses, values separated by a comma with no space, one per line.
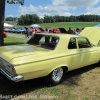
(58,30)
(4,34)
(51,30)
(39,30)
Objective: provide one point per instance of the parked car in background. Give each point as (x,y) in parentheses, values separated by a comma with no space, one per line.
(58,30)
(14,30)
(21,30)
(11,30)
(47,55)
(37,30)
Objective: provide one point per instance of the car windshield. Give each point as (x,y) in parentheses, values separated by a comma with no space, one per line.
(44,41)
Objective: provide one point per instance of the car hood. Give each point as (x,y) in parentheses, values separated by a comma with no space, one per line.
(92,33)
(15,51)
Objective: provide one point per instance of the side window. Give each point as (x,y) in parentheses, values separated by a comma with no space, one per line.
(72,44)
(83,43)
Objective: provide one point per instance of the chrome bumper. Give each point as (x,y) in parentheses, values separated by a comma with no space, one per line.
(13,78)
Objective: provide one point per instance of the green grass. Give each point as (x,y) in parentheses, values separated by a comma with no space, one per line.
(65,25)
(73,25)
(13,41)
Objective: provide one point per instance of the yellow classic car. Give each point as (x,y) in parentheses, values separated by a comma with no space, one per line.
(47,55)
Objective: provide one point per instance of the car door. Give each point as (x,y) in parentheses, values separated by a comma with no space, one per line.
(89,53)
(73,55)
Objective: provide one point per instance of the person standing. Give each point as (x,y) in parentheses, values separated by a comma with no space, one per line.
(70,31)
(33,31)
(47,38)
(46,30)
(77,31)
(53,40)
(26,32)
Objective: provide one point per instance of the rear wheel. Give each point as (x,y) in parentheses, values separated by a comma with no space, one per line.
(56,76)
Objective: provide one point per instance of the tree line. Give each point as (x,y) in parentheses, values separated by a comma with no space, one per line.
(34,18)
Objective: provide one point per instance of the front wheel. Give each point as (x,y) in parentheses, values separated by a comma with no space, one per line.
(56,76)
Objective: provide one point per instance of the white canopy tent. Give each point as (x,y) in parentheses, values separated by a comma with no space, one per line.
(35,26)
(7,25)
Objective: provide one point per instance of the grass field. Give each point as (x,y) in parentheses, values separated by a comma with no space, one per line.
(80,84)
(65,25)
(73,25)
(13,41)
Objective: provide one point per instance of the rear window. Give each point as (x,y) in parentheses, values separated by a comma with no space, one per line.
(44,41)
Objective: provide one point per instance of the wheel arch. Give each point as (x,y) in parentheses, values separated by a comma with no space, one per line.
(63,66)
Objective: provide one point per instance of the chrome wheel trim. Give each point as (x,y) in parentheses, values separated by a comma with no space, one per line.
(57,74)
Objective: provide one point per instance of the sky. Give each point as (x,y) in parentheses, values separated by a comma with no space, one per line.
(53,7)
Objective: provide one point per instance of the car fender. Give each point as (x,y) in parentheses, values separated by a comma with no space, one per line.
(62,65)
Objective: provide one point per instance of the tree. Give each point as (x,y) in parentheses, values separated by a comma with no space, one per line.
(11,19)
(28,19)
(2,12)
